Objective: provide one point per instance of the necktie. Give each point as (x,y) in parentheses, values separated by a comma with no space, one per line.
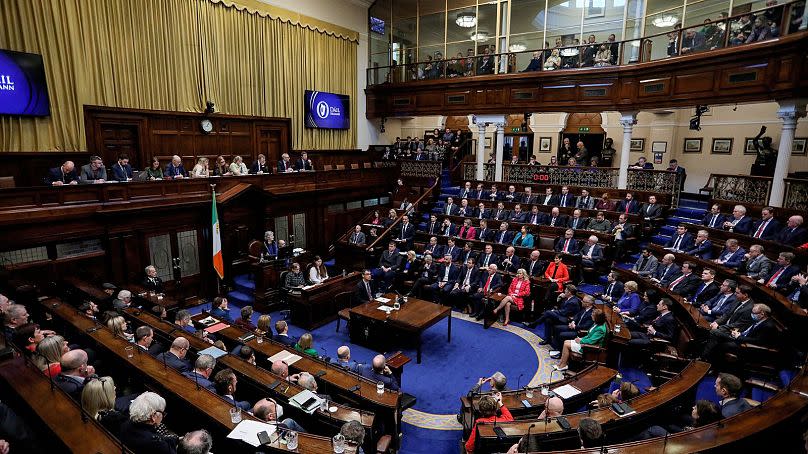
(449,209)
(677,281)
(721,302)
(749,330)
(403,229)
(487,258)
(648,209)
(712,221)
(678,242)
(760,229)
(533,221)
(776,276)
(488,283)
(468,276)
(446,273)
(354,238)
(564,200)
(665,273)
(502,237)
(367,288)
(627,205)
(552,223)
(701,289)
(566,245)
(574,223)
(530,272)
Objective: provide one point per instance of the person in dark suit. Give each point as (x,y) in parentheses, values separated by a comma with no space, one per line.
(755,264)
(427,274)
(479,192)
(517,215)
(490,282)
(535,63)
(433,248)
(739,222)
(487,257)
(282,329)
(450,209)
(259,166)
(582,321)
(433,226)
(465,286)
(500,213)
(714,218)
(566,244)
(647,312)
(793,234)
(732,255)
(467,192)
(528,198)
(736,320)
(151,282)
(565,199)
(628,205)
(614,289)
(493,194)
(577,221)
(175,356)
(687,282)
(567,305)
(174,169)
(389,262)
(681,241)
(503,235)
(225,382)
(485,63)
(664,326)
(666,271)
(465,210)
(591,252)
(673,166)
(379,372)
(780,276)
(144,432)
(447,228)
(797,290)
(721,303)
(284,164)
(482,212)
(122,171)
(642,164)
(406,232)
(451,250)
(728,388)
(536,217)
(762,332)
(767,228)
(534,266)
(357,237)
(467,253)
(446,278)
(511,195)
(622,231)
(704,291)
(549,199)
(303,162)
(64,174)
(556,219)
(74,374)
(509,262)
(203,368)
(144,339)
(702,248)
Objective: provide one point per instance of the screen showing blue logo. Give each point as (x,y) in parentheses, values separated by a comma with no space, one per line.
(23,90)
(327,110)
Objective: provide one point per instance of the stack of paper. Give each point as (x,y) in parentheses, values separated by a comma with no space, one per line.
(213,351)
(247,431)
(566,391)
(383,300)
(288,357)
(207,321)
(306,401)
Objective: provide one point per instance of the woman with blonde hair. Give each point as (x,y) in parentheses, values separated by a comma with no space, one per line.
(305,345)
(98,400)
(201,169)
(49,354)
(517,292)
(264,325)
(118,327)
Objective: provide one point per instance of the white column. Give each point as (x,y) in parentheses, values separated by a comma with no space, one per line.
(500,146)
(480,151)
(628,120)
(790,111)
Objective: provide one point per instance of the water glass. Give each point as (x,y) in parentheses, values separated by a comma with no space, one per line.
(380,387)
(617,328)
(339,443)
(259,339)
(528,393)
(324,405)
(235,415)
(396,306)
(130,351)
(406,299)
(291,440)
(545,390)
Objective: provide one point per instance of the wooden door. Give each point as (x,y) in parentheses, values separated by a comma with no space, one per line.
(270,144)
(118,139)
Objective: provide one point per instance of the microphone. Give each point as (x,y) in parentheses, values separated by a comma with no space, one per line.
(527,444)
(325,357)
(196,379)
(518,379)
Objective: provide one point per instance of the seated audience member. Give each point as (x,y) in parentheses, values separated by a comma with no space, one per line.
(681,241)
(354,435)
(565,199)
(467,231)
(646,264)
(576,221)
(534,266)
(702,248)
(630,302)
(281,369)
(557,272)
(295,280)
(118,326)
(566,306)
(557,333)
(219,309)
(767,228)
(378,371)
(517,292)
(500,213)
(284,165)
(503,235)
(797,290)
(517,215)
(48,355)
(703,412)
(488,257)
(728,388)
(663,327)
(344,358)
(614,289)
(392,216)
(490,282)
(628,205)
(152,282)
(28,336)
(123,301)
(307,381)
(465,209)
(451,250)
(738,222)
(467,253)
(245,320)
(144,339)
(626,391)
(528,198)
(646,313)
(175,356)
(566,244)
(174,169)
(98,400)
(590,433)
(585,201)
(549,199)
(409,268)
(714,219)
(318,273)
(201,169)
(94,172)
(793,234)
(433,248)
(450,209)
(651,210)
(736,320)
(64,174)
(535,217)
(763,332)
(74,374)
(705,291)
(641,164)
(183,319)
(556,219)
(755,264)
(259,166)
(365,290)
(491,409)
(122,171)
(357,237)
(270,411)
(305,345)
(622,231)
(511,195)
(237,167)
(465,285)
(389,262)
(732,255)
(509,262)
(196,442)
(221,168)
(203,368)
(721,303)
(493,194)
(761,31)
(446,278)
(552,408)
(426,274)
(303,162)
(605,203)
(600,223)
(781,274)
(596,336)
(467,192)
(666,271)
(523,239)
(687,282)
(225,382)
(591,252)
(497,382)
(144,432)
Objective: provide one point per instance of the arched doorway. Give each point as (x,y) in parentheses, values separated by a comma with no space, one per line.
(584,127)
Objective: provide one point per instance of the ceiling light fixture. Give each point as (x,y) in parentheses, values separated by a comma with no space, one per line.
(517,47)
(466,20)
(479,36)
(665,21)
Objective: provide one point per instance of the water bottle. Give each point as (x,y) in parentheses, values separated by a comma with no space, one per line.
(343,272)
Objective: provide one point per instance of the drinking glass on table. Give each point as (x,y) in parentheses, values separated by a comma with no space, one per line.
(339,443)
(291,440)
(235,415)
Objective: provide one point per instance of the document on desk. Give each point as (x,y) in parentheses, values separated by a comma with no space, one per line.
(247,431)
(207,321)
(213,351)
(383,300)
(566,391)
(288,357)
(216,327)
(306,401)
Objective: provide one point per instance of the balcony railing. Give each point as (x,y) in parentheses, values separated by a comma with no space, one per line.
(743,189)
(718,34)
(796,194)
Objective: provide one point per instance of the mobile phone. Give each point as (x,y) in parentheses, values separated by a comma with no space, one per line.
(500,433)
(263,437)
(311,401)
(562,421)
(618,408)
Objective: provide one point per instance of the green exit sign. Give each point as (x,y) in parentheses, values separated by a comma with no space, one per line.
(583,129)
(516,129)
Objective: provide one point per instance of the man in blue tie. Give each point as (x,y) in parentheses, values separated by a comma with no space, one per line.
(762,332)
(721,303)
(705,291)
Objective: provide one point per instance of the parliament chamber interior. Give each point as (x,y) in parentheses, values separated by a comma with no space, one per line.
(403,226)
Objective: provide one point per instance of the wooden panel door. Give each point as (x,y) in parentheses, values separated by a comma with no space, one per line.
(118,139)
(269,144)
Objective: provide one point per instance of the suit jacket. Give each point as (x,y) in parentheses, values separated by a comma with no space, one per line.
(501,237)
(172,171)
(433,228)
(512,197)
(688,285)
(300,164)
(517,217)
(509,268)
(552,201)
(488,195)
(500,215)
(467,193)
(569,307)
(474,277)
(73,386)
(571,249)
(703,250)
(407,232)
(666,275)
(650,266)
(649,211)
(496,281)
(770,231)
(742,226)
(390,259)
(541,218)
(360,295)
(367,371)
(561,220)
(586,203)
(734,406)
(706,294)
(467,211)
(537,268)
(454,251)
(435,251)
(454,271)
(154,284)
(568,201)
(717,311)
(258,167)
(529,199)
(357,238)
(55,174)
(785,277)
(581,223)
(665,326)
(490,259)
(633,206)
(449,210)
(615,291)
(597,252)
(685,244)
(792,237)
(242,404)
(583,319)
(143,438)
(290,341)
(739,317)
(283,166)
(482,214)
(203,382)
(86,175)
(764,333)
(735,258)
(757,268)
(465,255)
(172,360)
(121,172)
(708,218)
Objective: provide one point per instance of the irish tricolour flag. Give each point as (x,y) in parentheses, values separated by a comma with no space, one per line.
(218,262)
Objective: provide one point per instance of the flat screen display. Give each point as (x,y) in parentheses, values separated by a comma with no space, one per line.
(327,110)
(23,90)
(377,25)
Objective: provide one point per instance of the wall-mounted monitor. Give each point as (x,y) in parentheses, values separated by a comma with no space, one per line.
(377,25)
(327,110)
(23,90)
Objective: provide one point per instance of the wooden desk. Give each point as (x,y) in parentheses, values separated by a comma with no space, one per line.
(316,305)
(150,299)
(57,411)
(138,291)
(369,324)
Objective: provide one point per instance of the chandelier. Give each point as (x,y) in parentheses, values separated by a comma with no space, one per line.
(665,21)
(517,47)
(466,20)
(479,36)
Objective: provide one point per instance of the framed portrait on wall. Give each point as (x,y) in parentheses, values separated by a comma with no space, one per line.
(637,145)
(487,142)
(545,144)
(749,146)
(798,147)
(693,145)
(722,146)
(659,147)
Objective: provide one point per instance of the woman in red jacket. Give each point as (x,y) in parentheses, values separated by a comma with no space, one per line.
(519,289)
(490,405)
(557,272)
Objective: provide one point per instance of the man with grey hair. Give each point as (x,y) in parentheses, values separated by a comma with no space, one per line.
(354,434)
(202,369)
(152,283)
(144,431)
(284,165)
(196,442)
(174,169)
(793,234)
(378,371)
(175,356)
(591,253)
(755,264)
(666,271)
(281,369)
(739,222)
(497,381)
(13,316)
(123,300)
(307,381)
(183,319)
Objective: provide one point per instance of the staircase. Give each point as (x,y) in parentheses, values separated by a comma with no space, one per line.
(690,210)
(242,294)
